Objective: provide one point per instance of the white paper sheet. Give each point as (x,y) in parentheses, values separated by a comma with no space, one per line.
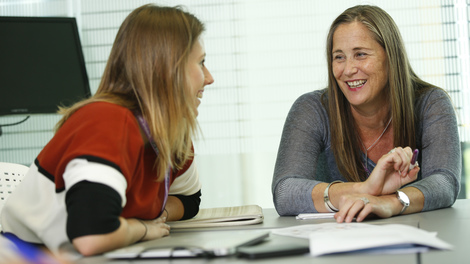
(329,238)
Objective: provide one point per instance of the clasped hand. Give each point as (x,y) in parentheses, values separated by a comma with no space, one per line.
(156,228)
(373,196)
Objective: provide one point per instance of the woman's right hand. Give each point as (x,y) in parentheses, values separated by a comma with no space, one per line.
(391,173)
(156,228)
(130,231)
(360,206)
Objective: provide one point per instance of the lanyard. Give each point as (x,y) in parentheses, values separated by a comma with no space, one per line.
(146,129)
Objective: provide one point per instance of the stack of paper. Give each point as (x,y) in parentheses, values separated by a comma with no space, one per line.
(329,238)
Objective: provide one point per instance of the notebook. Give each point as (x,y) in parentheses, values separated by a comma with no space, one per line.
(191,244)
(222,216)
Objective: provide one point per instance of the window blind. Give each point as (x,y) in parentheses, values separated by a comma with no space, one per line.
(263,55)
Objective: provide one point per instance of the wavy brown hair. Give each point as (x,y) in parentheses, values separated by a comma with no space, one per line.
(403,87)
(146,72)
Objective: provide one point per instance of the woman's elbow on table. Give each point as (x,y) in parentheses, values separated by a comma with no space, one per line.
(282,206)
(91,245)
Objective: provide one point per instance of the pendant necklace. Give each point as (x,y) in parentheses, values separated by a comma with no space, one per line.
(371,146)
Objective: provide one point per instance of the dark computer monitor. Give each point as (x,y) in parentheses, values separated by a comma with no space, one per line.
(41,65)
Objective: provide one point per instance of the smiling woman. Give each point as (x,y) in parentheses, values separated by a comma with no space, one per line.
(359,61)
(361,70)
(199,75)
(129,146)
(335,152)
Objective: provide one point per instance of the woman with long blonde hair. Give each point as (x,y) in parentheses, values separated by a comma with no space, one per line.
(352,148)
(121,162)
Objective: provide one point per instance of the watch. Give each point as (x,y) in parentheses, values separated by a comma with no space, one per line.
(403,198)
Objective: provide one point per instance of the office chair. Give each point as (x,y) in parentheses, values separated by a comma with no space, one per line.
(11,175)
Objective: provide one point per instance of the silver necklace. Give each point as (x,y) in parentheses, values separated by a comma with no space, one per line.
(371,146)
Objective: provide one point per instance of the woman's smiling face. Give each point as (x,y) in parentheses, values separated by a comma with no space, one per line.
(199,76)
(359,65)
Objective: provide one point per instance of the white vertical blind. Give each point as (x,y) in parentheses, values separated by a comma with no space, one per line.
(263,54)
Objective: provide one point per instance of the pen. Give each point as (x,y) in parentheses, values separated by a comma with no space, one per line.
(414,159)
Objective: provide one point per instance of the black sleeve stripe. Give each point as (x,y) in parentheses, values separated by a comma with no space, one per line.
(92,208)
(101,161)
(43,171)
(47,175)
(191,204)
(87,157)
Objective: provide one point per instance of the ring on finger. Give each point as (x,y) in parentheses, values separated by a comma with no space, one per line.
(365,200)
(391,151)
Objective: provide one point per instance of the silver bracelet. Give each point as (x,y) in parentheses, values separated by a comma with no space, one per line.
(146,229)
(329,206)
(167,214)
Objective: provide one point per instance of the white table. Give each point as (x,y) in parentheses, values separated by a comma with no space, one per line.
(452,225)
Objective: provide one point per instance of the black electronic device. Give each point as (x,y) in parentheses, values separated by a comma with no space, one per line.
(275,246)
(41,65)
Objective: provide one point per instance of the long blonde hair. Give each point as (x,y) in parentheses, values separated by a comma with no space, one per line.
(403,86)
(146,73)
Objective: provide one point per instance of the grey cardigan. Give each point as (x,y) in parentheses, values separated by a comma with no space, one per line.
(305,157)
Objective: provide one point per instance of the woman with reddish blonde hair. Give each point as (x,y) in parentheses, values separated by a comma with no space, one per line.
(121,162)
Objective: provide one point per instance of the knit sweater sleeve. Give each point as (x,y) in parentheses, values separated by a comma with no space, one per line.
(440,154)
(304,137)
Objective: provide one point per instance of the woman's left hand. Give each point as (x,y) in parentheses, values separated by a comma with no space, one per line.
(359,206)
(391,173)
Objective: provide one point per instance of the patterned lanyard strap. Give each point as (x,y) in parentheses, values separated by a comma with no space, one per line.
(146,129)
